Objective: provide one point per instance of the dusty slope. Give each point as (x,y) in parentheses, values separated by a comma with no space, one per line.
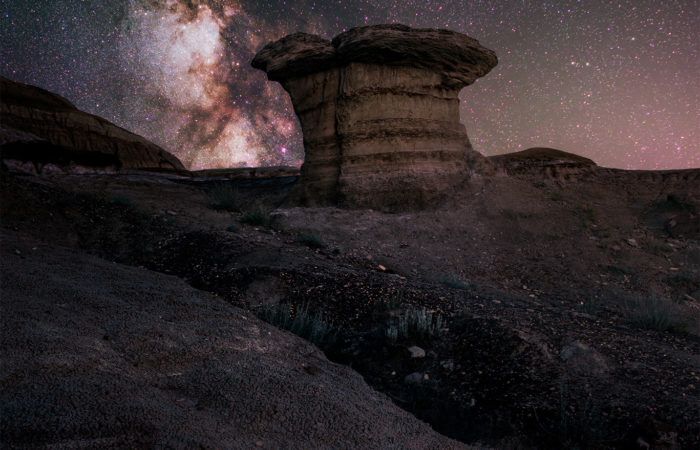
(531,274)
(97,354)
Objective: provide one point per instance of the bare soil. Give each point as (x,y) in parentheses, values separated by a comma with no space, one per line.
(538,280)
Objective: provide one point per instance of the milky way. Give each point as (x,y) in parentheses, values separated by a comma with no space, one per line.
(614,81)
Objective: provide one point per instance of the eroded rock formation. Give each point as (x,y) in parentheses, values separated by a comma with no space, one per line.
(379,110)
(41,127)
(548,162)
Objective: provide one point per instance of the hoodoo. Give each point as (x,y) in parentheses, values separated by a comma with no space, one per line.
(379,110)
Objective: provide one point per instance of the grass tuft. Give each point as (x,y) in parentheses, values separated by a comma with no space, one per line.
(257,216)
(654,313)
(414,323)
(656,247)
(618,269)
(122,200)
(225,198)
(455,282)
(301,322)
(312,240)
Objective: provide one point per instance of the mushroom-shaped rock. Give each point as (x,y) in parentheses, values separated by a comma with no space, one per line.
(379,110)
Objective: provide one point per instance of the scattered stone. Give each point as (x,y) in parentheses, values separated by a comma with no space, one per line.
(448,365)
(416,352)
(414,378)
(583,359)
(632,242)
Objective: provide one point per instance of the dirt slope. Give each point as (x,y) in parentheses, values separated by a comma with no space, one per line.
(538,279)
(97,354)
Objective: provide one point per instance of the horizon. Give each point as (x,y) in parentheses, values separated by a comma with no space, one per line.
(180,75)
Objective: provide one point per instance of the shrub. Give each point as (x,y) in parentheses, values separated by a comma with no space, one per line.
(578,424)
(556,196)
(655,313)
(312,240)
(620,270)
(224,197)
(587,215)
(414,323)
(301,322)
(657,247)
(257,216)
(122,200)
(454,282)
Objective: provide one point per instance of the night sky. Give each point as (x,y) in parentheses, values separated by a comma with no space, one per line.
(615,81)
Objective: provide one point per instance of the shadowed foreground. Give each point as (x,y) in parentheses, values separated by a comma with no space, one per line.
(97,354)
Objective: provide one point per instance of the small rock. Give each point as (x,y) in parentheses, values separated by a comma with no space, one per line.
(448,365)
(171,212)
(616,247)
(632,242)
(414,378)
(584,359)
(416,352)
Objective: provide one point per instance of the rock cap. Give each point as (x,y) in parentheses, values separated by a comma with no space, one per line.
(458,57)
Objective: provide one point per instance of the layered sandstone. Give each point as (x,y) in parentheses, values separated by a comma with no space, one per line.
(40,126)
(379,110)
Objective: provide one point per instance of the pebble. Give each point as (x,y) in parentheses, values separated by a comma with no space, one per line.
(416,352)
(414,378)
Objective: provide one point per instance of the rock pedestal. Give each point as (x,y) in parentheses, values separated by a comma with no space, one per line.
(379,110)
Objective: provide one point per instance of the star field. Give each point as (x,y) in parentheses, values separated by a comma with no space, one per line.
(615,81)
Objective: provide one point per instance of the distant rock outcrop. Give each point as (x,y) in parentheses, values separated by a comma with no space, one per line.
(549,162)
(379,110)
(40,127)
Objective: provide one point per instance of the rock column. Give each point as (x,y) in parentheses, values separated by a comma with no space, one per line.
(379,110)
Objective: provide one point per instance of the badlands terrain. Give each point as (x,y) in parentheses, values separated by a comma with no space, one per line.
(540,302)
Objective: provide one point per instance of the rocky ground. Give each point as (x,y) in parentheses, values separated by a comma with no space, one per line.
(568,304)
